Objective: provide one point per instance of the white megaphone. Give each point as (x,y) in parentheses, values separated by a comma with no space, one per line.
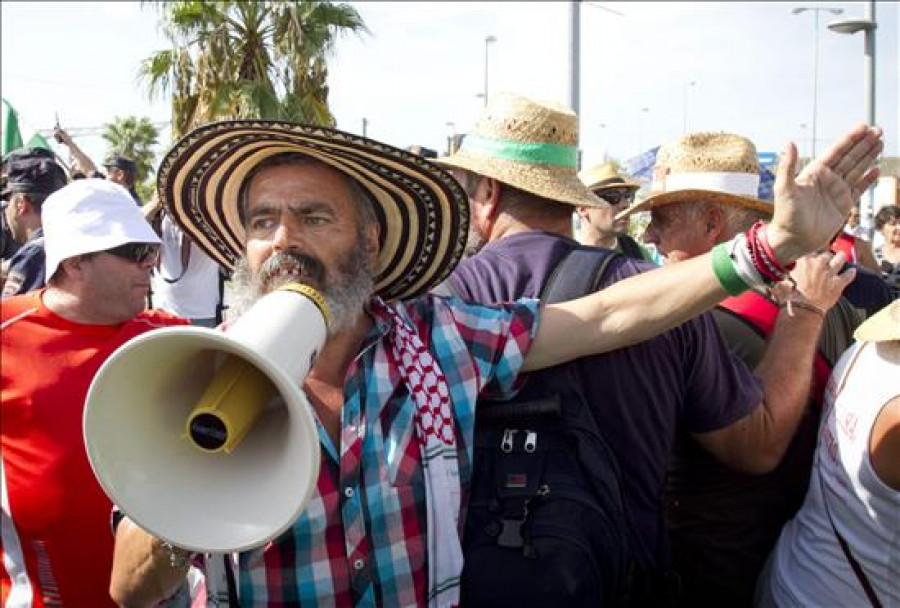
(204,438)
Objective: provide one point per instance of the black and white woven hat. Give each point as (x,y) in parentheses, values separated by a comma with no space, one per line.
(422,210)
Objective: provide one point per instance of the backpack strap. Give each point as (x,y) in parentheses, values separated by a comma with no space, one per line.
(578,274)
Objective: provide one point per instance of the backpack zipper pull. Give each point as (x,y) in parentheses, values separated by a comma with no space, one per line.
(506,445)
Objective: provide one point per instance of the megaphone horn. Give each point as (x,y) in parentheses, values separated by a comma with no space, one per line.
(204,438)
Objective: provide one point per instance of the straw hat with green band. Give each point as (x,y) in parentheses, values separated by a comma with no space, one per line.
(529,145)
(422,211)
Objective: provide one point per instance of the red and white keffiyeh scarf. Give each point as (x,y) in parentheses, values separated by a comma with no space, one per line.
(437,443)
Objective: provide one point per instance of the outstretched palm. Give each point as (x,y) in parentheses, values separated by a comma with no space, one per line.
(811,208)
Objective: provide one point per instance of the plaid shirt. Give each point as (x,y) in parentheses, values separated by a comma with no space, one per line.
(361,541)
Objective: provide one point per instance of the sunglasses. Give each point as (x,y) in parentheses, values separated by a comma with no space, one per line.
(137,253)
(617,197)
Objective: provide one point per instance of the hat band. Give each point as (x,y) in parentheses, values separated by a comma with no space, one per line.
(742,184)
(559,155)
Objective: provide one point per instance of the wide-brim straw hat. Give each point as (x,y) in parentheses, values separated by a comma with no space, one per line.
(605,176)
(529,145)
(718,168)
(882,326)
(422,211)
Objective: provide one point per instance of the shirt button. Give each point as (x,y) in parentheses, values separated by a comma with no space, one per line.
(359,564)
(348,492)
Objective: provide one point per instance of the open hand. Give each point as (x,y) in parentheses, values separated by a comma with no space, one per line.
(811,208)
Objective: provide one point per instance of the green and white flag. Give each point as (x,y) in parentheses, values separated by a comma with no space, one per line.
(12,138)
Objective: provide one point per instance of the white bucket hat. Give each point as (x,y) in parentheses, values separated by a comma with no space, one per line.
(90,215)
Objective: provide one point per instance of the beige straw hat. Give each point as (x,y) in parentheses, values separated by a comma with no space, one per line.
(721,168)
(882,326)
(605,176)
(422,211)
(530,145)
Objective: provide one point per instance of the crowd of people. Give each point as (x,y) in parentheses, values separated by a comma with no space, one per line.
(735,369)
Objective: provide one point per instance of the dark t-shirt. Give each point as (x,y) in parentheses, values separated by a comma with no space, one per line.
(684,376)
(868,291)
(26,267)
(722,523)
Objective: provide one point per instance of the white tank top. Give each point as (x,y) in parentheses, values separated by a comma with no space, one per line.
(809,568)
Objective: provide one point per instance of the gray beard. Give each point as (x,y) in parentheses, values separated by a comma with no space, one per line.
(346,295)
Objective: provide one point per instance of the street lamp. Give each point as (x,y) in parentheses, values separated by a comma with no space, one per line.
(866,25)
(816,11)
(692,83)
(487,43)
(451,139)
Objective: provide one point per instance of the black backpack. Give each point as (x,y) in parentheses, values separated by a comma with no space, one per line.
(546,524)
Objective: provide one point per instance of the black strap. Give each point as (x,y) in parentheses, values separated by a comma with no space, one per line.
(576,275)
(857,567)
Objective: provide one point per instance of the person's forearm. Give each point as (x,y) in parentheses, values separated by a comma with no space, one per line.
(625,313)
(786,374)
(142,573)
(85,163)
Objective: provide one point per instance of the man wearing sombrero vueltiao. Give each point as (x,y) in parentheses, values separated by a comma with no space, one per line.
(373,227)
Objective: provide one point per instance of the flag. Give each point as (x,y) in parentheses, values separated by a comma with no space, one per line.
(38,141)
(12,138)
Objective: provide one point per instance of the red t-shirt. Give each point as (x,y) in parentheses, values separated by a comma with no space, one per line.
(57,544)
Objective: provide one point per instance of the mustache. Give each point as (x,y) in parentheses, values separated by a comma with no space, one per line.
(290,264)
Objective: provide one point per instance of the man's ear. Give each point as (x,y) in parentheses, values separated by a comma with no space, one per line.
(373,232)
(715,224)
(486,202)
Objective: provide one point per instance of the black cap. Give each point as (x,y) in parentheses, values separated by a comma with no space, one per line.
(32,171)
(121,162)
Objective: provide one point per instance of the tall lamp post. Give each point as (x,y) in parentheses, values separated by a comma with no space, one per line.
(487,44)
(815,11)
(866,25)
(692,83)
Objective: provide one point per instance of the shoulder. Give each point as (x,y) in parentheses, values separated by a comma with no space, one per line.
(17,307)
(158,318)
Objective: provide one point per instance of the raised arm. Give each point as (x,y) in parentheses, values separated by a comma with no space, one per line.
(83,161)
(809,210)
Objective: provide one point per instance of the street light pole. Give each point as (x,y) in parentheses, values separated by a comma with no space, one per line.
(867,25)
(487,43)
(815,11)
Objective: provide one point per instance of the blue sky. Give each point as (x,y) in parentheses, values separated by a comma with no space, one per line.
(423,66)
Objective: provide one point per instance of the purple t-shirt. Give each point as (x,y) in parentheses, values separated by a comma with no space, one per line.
(685,377)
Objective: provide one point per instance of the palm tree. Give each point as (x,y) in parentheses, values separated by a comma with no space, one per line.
(246,59)
(135,138)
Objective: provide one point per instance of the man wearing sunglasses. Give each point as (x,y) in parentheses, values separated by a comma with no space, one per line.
(32,176)
(99,254)
(598,226)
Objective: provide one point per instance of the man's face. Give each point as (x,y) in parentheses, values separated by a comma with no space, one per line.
(17,211)
(117,287)
(303,225)
(853,218)
(676,232)
(116,175)
(603,219)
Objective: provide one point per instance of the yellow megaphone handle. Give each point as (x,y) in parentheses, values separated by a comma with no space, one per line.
(230,406)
